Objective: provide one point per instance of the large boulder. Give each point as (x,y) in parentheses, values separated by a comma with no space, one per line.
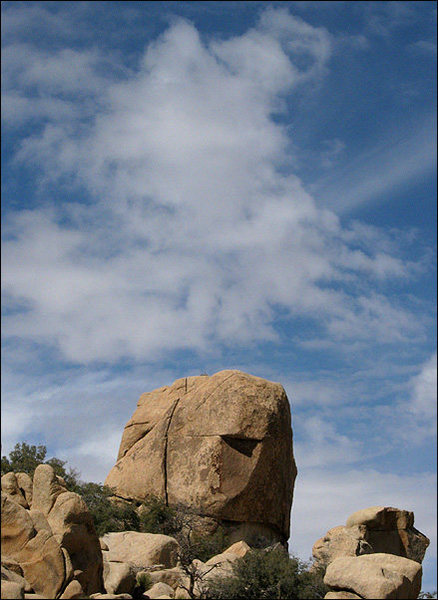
(141,549)
(377,576)
(53,540)
(377,529)
(74,529)
(221,444)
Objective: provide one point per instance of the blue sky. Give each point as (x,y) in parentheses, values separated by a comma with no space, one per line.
(194,186)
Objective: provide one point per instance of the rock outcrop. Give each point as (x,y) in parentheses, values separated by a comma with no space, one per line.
(221,444)
(49,534)
(376,576)
(378,529)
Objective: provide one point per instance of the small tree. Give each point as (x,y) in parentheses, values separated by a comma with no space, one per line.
(23,459)
(194,548)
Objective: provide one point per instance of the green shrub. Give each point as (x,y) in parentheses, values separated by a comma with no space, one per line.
(144,583)
(206,546)
(107,514)
(269,574)
(156,517)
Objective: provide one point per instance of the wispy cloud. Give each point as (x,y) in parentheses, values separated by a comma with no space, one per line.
(396,161)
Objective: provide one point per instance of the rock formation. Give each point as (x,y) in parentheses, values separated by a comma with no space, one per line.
(376,576)
(375,529)
(377,554)
(48,536)
(221,444)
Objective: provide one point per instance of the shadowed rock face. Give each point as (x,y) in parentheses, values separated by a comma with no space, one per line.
(220,444)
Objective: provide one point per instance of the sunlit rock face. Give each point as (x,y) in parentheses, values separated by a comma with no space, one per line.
(221,445)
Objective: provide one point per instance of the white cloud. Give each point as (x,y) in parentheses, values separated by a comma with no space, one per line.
(193,236)
(322,444)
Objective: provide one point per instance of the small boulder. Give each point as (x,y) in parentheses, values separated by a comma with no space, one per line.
(172,577)
(390,530)
(72,591)
(340,541)
(10,487)
(158,590)
(25,485)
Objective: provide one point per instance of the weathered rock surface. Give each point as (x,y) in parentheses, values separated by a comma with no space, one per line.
(376,576)
(340,541)
(11,590)
(141,549)
(111,596)
(341,595)
(159,590)
(118,577)
(210,442)
(377,529)
(391,530)
(53,540)
(172,577)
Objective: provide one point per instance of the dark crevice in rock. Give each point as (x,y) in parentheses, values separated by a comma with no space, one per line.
(243,445)
(166,436)
(169,420)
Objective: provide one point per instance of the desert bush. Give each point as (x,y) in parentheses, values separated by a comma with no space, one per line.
(156,517)
(269,574)
(107,514)
(206,546)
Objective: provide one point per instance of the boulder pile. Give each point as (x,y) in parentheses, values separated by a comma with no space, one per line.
(49,545)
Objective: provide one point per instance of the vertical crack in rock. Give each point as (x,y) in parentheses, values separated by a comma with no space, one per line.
(166,437)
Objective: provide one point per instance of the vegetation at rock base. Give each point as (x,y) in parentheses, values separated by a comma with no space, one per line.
(269,573)
(144,582)
(152,516)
